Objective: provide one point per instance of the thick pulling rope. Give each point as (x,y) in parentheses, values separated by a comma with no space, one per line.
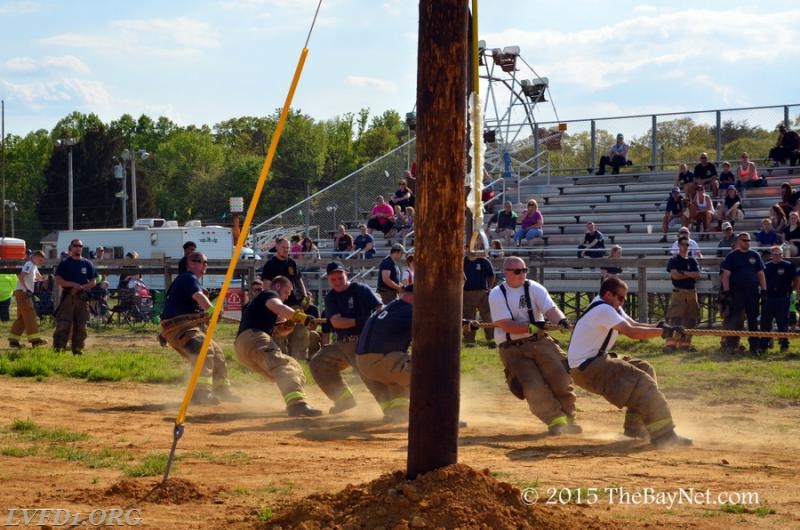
(476,204)
(262,178)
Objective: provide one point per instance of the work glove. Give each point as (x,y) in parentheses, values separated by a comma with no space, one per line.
(533,327)
(564,323)
(666,330)
(162,340)
(301,318)
(29,294)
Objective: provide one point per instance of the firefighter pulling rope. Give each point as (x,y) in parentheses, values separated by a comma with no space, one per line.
(212,325)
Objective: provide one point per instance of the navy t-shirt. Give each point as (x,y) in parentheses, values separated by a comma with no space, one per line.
(179,297)
(284,267)
(687,264)
(780,278)
(388,264)
(257,316)
(357,301)
(387,330)
(80,271)
(478,273)
(744,267)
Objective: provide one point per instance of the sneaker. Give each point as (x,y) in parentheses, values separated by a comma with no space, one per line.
(223,393)
(341,406)
(784,348)
(38,342)
(671,439)
(14,344)
(663,239)
(297,410)
(77,352)
(564,428)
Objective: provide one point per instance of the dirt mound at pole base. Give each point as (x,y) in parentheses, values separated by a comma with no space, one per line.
(455,496)
(173,491)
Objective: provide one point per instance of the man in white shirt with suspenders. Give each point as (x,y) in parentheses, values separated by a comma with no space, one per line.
(533,362)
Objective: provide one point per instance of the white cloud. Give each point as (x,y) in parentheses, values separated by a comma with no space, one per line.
(89,94)
(19,7)
(27,65)
(19,65)
(370,82)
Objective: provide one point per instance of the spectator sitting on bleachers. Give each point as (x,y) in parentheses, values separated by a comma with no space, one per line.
(748,174)
(685,179)
(726,177)
(701,210)
(487,191)
(408,224)
(767,236)
(617,157)
(791,233)
(381,216)
(403,197)
(506,223)
(789,198)
(398,222)
(730,209)
(694,248)
(593,245)
(365,242)
(705,174)
(342,242)
(296,247)
(787,147)
(726,244)
(496,249)
(779,218)
(310,250)
(676,211)
(607,272)
(531,225)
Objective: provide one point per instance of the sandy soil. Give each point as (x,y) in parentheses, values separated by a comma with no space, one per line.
(239,461)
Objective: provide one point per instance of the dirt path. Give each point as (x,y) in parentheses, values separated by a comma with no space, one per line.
(237,459)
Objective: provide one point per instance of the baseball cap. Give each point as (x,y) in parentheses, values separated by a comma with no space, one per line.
(676,189)
(727,226)
(334,266)
(189,244)
(731,187)
(683,230)
(398,247)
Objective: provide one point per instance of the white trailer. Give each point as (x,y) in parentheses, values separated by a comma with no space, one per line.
(152,239)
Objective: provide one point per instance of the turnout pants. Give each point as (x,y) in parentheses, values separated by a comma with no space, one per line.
(71,318)
(26,321)
(684,310)
(186,333)
(296,343)
(257,351)
(392,371)
(477,300)
(539,367)
(629,383)
(327,366)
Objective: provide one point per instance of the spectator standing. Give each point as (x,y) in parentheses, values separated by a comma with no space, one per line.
(188,248)
(389,274)
(675,211)
(531,225)
(506,220)
(616,158)
(27,321)
(685,179)
(256,349)
(624,382)
(381,216)
(533,361)
(76,276)
(408,272)
(479,275)
(684,308)
(782,280)
(365,242)
(593,245)
(281,264)
(705,174)
(742,280)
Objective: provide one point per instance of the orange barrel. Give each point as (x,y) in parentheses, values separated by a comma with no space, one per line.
(12,248)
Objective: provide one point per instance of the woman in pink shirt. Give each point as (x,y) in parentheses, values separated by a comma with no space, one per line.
(381,217)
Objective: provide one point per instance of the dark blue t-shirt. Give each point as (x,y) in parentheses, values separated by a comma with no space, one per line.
(387,330)
(780,278)
(357,301)
(687,264)
(744,268)
(256,315)
(388,264)
(362,240)
(478,273)
(80,271)
(179,297)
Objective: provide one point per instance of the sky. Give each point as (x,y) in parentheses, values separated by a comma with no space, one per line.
(205,61)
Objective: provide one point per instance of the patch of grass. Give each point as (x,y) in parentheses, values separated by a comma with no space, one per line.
(92,459)
(733,508)
(28,430)
(264,514)
(19,452)
(235,457)
(152,465)
(277,489)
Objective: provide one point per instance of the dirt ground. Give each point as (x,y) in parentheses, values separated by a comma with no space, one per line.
(242,464)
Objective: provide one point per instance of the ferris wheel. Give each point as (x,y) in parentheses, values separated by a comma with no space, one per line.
(511,93)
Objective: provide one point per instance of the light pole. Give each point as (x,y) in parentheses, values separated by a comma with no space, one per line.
(68,143)
(333,208)
(131,155)
(12,207)
(119,174)
(411,125)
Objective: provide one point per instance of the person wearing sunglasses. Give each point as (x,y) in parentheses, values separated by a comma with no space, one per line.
(76,276)
(183,327)
(782,280)
(533,361)
(743,282)
(623,381)
(256,349)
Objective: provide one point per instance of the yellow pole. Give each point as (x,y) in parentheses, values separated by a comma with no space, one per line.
(262,178)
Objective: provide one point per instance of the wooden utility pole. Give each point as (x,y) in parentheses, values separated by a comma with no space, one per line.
(439,235)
